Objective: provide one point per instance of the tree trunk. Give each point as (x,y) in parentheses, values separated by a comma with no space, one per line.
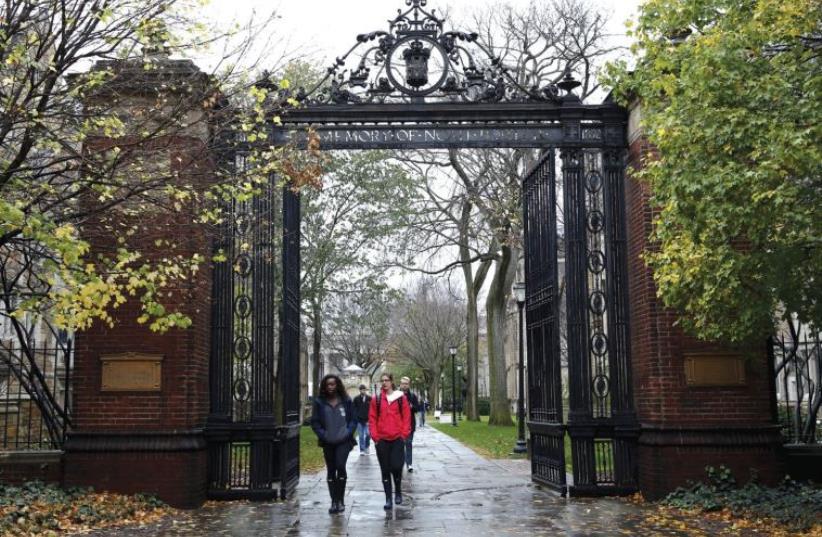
(305,377)
(473,286)
(435,391)
(472,358)
(495,304)
(316,346)
(472,339)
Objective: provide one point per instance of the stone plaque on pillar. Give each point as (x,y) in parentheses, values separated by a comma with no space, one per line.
(714,369)
(131,372)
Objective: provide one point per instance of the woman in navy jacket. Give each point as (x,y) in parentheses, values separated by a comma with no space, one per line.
(332,419)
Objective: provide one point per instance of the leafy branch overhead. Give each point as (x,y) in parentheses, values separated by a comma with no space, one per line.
(106,141)
(729,93)
(92,102)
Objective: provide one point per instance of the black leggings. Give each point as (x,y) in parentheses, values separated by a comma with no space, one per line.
(391,454)
(336,456)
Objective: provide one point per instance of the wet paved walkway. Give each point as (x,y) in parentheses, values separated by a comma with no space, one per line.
(453,491)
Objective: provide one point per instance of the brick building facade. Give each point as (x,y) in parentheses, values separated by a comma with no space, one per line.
(688,423)
(131,436)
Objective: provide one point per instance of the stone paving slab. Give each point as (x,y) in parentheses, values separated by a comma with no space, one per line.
(453,491)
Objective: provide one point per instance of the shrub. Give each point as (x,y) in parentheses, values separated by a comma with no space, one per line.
(793,504)
(484,406)
(36,508)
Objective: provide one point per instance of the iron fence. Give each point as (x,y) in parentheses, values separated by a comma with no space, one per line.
(34,395)
(796,351)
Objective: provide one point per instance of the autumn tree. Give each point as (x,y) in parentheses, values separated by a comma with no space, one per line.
(730,100)
(425,325)
(80,155)
(346,227)
(537,45)
(446,218)
(358,327)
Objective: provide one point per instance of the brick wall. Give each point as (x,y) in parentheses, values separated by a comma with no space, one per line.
(178,478)
(685,428)
(17,467)
(119,440)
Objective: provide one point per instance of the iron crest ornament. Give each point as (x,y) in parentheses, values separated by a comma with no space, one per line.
(418,60)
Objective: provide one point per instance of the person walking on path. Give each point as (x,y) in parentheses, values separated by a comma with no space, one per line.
(414,403)
(361,404)
(332,419)
(423,410)
(389,419)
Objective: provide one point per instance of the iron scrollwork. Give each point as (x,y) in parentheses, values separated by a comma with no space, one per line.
(416,59)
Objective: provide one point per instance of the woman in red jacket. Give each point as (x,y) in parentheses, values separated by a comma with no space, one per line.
(389,421)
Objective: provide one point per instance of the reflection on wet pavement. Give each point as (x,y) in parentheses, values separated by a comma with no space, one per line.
(453,491)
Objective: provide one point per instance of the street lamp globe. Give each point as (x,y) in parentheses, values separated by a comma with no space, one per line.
(519,292)
(452,350)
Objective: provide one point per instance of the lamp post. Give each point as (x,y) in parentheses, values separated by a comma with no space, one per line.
(453,351)
(521,446)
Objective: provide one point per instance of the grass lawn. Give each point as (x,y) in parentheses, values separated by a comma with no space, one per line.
(491,441)
(311,455)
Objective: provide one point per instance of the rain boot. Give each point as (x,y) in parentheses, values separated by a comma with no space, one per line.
(341,494)
(386,485)
(332,491)
(398,491)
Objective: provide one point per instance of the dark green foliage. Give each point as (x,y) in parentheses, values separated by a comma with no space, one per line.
(32,491)
(730,95)
(793,504)
(484,406)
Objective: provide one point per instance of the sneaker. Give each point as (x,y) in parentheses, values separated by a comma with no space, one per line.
(363,453)
(410,469)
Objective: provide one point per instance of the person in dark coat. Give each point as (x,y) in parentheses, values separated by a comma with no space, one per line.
(361,404)
(332,420)
(414,403)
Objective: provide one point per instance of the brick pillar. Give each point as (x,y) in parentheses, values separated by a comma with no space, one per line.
(130,435)
(698,404)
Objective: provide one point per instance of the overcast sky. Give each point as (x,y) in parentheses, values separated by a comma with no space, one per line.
(325,29)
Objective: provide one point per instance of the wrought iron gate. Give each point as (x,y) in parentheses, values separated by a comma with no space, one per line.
(253,424)
(545,417)
(420,86)
(600,423)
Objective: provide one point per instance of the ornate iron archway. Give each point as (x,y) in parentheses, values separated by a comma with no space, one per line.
(419,86)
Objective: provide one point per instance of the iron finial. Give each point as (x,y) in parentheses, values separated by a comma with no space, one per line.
(569,84)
